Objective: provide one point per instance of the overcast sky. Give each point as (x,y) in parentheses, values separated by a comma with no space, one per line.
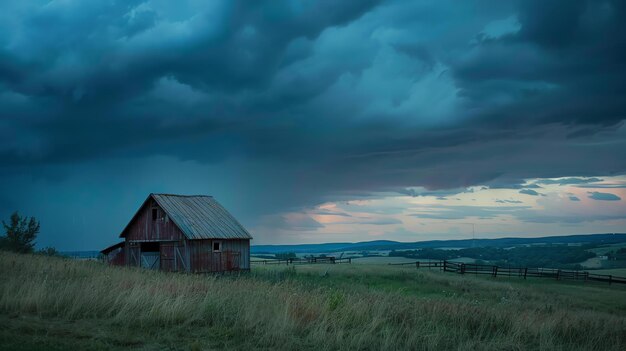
(316,121)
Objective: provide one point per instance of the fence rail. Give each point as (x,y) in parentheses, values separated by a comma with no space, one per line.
(524,272)
(309,260)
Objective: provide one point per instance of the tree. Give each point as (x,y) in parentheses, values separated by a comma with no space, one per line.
(21,233)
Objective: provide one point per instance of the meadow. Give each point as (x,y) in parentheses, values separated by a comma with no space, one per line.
(58,304)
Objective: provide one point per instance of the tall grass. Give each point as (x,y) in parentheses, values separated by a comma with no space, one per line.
(365,308)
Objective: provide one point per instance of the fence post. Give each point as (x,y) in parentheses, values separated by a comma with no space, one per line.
(610,279)
(417,264)
(445,264)
(525,272)
(462,268)
(495,271)
(558,274)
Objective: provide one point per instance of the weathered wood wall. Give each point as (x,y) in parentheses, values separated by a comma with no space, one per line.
(116,257)
(144,228)
(234,255)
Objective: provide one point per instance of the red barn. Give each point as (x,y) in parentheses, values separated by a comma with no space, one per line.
(182,233)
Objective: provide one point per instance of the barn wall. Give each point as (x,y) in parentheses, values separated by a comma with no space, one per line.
(168,257)
(240,246)
(116,257)
(200,256)
(144,228)
(235,255)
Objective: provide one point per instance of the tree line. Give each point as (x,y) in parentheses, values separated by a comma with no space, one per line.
(550,256)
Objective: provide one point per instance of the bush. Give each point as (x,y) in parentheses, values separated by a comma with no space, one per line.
(48,251)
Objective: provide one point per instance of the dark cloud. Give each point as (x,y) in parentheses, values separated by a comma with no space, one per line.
(305,102)
(331,213)
(530,192)
(556,55)
(440,194)
(509,201)
(595,195)
(574,198)
(506,185)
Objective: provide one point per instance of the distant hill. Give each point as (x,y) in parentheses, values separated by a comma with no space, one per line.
(465,243)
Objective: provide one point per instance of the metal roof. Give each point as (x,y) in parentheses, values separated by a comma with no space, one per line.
(201,217)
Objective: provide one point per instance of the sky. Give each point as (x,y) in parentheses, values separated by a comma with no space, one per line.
(316,121)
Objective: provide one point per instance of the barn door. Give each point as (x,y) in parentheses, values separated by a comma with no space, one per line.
(133,255)
(232,260)
(150,255)
(150,260)
(216,262)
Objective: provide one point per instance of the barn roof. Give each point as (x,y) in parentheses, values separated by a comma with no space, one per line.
(200,217)
(112,247)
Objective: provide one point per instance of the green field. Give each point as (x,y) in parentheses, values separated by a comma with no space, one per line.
(381,260)
(59,304)
(620,272)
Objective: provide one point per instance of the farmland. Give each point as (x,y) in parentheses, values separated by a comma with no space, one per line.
(53,303)
(574,252)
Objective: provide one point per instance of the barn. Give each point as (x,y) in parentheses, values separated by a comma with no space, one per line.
(182,233)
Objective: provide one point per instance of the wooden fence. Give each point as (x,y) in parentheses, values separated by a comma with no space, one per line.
(523,272)
(308,260)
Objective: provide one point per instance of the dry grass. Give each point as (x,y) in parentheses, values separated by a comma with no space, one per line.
(61,304)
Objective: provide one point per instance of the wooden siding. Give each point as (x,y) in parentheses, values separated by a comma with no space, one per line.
(144,228)
(194,255)
(116,257)
(168,257)
(241,246)
(234,255)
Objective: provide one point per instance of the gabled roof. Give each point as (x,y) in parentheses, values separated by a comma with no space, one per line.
(199,217)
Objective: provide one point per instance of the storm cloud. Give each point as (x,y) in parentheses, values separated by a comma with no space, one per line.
(279,105)
(530,192)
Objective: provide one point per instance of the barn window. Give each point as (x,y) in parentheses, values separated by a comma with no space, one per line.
(217,246)
(155,214)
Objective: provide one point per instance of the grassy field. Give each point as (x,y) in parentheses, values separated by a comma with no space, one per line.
(59,304)
(620,272)
(608,248)
(381,260)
